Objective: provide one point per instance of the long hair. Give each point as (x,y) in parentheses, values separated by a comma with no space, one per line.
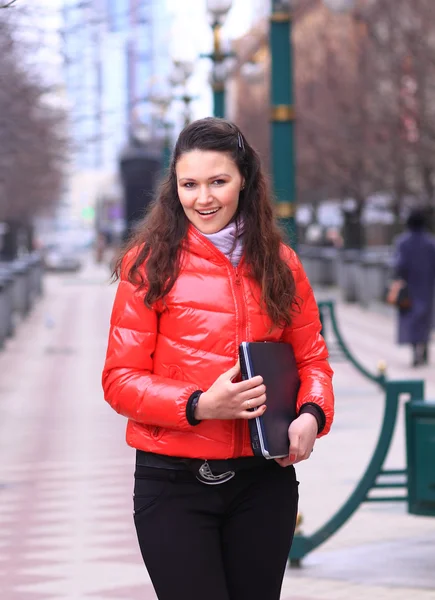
(161,236)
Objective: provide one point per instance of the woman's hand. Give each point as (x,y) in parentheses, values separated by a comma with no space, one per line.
(302,435)
(228,400)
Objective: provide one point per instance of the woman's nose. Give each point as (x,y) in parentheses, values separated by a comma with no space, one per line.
(204,196)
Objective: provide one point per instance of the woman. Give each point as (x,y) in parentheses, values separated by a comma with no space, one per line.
(415,265)
(205,271)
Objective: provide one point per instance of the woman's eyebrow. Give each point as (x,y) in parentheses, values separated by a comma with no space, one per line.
(209,179)
(219,175)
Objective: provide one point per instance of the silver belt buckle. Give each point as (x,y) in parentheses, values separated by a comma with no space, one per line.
(209,478)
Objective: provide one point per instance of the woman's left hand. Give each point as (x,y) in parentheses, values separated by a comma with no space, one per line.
(302,434)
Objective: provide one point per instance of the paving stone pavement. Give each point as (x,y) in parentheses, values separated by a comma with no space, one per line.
(66,529)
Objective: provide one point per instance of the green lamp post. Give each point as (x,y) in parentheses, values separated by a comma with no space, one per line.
(218,10)
(283,117)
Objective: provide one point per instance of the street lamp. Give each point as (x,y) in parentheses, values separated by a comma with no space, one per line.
(181,73)
(217,11)
(161,103)
(253,70)
(283,116)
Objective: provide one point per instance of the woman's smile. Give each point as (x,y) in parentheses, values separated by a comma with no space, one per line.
(207,214)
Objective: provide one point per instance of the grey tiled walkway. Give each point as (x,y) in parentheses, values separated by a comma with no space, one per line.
(66,530)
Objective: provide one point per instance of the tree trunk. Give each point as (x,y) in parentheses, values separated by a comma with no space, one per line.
(428,184)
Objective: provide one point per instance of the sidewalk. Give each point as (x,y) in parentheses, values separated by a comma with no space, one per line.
(382,552)
(66,474)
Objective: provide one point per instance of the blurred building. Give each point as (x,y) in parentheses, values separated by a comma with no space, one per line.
(113,59)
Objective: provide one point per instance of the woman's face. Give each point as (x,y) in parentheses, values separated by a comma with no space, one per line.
(208,185)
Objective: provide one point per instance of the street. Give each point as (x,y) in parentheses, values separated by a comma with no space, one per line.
(66,474)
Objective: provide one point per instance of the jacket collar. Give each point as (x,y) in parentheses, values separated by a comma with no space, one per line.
(200,246)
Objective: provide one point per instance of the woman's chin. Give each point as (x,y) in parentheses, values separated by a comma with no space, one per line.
(209,226)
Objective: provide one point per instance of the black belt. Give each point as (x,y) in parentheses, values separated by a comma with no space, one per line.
(210,472)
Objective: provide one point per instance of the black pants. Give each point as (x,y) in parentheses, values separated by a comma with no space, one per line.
(223,542)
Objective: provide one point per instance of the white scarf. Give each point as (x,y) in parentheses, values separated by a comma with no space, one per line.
(229,241)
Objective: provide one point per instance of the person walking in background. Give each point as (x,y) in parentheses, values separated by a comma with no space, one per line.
(414,264)
(205,271)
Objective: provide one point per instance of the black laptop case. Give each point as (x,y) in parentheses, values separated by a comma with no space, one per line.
(275,362)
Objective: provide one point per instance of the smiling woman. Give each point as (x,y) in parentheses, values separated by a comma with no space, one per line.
(206,271)
(209,184)
(213,168)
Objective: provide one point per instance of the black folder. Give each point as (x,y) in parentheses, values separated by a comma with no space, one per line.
(276,363)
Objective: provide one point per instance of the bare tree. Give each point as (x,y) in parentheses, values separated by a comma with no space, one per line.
(366,120)
(340,154)
(33,142)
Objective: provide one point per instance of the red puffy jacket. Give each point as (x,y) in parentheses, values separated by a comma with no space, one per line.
(156,358)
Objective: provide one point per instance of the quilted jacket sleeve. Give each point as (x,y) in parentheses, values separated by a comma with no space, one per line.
(129,384)
(310,349)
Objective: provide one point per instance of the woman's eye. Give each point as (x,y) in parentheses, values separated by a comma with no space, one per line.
(189,185)
(219,181)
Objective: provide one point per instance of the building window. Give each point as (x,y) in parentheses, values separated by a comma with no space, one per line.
(118,11)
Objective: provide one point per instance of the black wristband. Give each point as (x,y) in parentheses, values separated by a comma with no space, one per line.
(191,405)
(317,412)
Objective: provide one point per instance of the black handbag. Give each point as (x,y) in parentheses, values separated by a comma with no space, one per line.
(398,294)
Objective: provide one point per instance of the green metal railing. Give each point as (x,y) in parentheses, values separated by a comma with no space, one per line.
(338,349)
(375,476)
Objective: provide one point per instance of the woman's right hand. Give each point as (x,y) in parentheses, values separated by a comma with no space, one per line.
(228,400)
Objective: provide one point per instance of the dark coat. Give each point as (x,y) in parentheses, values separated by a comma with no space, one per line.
(415,263)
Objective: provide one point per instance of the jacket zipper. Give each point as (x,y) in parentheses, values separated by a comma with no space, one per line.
(240,300)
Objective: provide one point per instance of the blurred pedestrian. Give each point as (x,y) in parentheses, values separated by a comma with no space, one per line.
(205,271)
(415,267)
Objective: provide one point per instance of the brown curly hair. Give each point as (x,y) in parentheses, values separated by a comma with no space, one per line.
(161,235)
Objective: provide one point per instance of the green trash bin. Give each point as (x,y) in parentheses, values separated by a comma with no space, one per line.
(420,454)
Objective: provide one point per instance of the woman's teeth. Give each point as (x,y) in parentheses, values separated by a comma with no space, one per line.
(208,212)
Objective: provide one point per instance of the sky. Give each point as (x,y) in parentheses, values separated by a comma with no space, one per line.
(190,15)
